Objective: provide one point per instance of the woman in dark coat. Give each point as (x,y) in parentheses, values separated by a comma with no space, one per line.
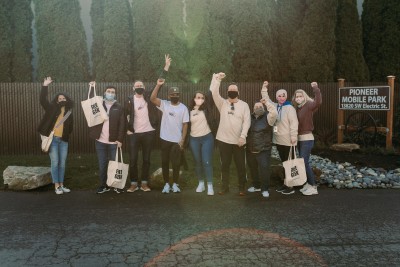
(60,106)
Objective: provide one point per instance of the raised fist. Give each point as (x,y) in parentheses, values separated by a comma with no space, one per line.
(314,84)
(265,84)
(92,84)
(160,81)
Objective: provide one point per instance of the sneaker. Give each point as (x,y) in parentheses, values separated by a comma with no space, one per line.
(265,194)
(102,189)
(59,191)
(305,187)
(133,188)
(253,189)
(200,188)
(175,188)
(288,191)
(145,188)
(64,189)
(282,188)
(210,190)
(311,190)
(118,191)
(166,189)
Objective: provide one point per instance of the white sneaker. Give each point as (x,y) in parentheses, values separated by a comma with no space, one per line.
(200,188)
(175,188)
(210,190)
(305,187)
(166,189)
(312,190)
(59,190)
(253,189)
(265,194)
(64,189)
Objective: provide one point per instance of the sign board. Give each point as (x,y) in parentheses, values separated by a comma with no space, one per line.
(364,98)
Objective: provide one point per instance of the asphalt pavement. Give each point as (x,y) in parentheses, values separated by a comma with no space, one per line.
(81,228)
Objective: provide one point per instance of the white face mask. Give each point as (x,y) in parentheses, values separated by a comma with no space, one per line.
(299,100)
(198,101)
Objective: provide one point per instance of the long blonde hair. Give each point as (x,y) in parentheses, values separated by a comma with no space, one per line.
(306,97)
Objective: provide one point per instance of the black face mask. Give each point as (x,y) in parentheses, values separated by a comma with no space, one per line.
(139,91)
(233,94)
(62,103)
(174,99)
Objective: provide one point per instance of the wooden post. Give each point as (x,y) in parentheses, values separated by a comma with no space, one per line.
(340,116)
(389,117)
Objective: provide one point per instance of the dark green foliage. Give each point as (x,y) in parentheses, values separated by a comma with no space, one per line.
(21,18)
(112,40)
(61,41)
(252,40)
(290,15)
(381,35)
(350,63)
(313,46)
(6,42)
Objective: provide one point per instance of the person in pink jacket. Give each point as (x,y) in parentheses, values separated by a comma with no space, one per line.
(305,108)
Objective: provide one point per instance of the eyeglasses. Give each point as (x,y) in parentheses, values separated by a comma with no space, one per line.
(232,106)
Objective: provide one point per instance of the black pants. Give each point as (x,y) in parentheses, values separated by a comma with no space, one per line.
(227,151)
(170,152)
(145,142)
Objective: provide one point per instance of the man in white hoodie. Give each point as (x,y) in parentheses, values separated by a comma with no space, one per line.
(232,132)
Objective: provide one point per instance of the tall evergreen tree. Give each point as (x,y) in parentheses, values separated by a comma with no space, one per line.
(251,34)
(350,63)
(61,41)
(161,33)
(21,19)
(381,36)
(112,40)
(313,46)
(5,43)
(288,21)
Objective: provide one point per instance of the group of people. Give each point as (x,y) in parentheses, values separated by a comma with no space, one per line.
(245,136)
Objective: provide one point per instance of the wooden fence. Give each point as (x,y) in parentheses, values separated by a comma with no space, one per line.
(21,111)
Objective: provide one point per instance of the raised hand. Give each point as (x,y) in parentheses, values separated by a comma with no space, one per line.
(314,84)
(221,76)
(160,81)
(167,62)
(92,84)
(265,84)
(47,81)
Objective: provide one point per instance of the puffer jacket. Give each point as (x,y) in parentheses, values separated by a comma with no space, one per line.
(117,124)
(259,136)
(52,111)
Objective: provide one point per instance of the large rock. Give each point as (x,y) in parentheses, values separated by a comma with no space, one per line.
(26,178)
(345,147)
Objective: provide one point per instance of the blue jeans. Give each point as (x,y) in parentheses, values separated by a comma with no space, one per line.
(202,150)
(105,153)
(58,156)
(259,165)
(145,142)
(304,148)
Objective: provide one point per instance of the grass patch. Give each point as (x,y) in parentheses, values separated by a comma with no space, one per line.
(82,170)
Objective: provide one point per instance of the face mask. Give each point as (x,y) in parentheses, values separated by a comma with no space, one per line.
(174,99)
(259,111)
(109,97)
(139,91)
(299,100)
(199,102)
(233,94)
(62,103)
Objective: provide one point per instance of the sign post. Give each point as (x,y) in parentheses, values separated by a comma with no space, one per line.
(340,117)
(389,117)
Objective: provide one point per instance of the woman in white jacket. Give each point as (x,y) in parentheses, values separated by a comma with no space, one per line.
(285,129)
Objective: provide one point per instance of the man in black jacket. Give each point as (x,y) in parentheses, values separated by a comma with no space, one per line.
(143,120)
(108,135)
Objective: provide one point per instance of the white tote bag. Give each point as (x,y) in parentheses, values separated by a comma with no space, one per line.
(46,141)
(117,171)
(295,170)
(95,113)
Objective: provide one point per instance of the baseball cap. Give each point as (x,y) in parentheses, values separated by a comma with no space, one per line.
(173,90)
